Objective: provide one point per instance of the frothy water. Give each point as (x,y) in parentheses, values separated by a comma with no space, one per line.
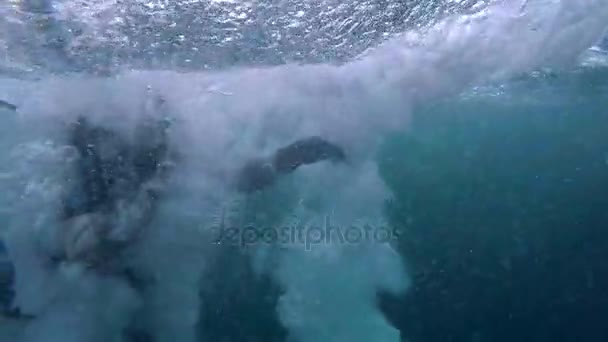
(220,120)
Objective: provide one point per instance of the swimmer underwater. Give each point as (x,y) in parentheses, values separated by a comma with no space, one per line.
(127,182)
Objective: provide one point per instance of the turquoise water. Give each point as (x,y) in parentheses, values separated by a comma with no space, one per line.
(499,195)
(504,211)
(475,174)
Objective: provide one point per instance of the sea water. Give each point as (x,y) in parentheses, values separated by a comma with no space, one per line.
(471,208)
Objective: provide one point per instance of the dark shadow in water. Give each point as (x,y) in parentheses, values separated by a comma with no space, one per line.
(237,303)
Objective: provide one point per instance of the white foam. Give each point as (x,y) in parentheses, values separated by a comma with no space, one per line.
(221,119)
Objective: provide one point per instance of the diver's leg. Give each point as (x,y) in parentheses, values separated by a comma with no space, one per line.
(306,151)
(8,106)
(258,174)
(172,253)
(172,306)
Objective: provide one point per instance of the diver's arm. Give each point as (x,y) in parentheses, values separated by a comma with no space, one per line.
(258,174)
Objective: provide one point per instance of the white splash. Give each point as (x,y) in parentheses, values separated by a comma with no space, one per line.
(330,291)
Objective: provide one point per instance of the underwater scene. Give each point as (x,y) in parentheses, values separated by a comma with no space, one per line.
(303,170)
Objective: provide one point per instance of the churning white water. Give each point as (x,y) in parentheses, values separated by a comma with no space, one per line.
(220,120)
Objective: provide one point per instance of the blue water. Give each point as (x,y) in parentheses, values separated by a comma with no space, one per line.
(477,142)
(505,214)
(501,202)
